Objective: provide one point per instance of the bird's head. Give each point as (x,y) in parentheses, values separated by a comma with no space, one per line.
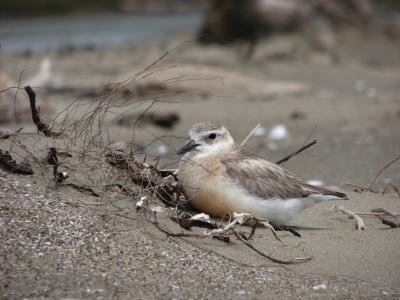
(207,137)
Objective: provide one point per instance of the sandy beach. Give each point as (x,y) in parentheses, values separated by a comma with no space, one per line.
(58,242)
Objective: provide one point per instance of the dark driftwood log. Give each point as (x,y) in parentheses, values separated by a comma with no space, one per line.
(41,126)
(9,164)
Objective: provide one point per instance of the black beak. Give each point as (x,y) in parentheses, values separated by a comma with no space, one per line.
(187,148)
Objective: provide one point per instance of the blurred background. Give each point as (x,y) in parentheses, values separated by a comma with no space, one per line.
(311,69)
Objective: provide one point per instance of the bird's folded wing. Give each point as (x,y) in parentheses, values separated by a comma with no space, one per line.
(267,180)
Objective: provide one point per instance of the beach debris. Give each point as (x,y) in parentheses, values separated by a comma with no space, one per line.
(359,221)
(369,188)
(10,165)
(201,220)
(60,177)
(146,176)
(52,158)
(321,286)
(251,133)
(82,189)
(306,146)
(41,126)
(278,133)
(382,170)
(386,217)
(273,259)
(395,188)
(391,221)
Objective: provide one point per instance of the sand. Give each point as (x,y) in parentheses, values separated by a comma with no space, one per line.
(58,243)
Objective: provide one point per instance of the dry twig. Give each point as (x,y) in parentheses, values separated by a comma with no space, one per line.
(395,188)
(381,171)
(285,159)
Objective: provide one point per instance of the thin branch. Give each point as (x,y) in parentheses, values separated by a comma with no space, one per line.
(395,188)
(285,159)
(381,171)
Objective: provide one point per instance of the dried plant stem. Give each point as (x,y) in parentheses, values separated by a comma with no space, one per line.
(285,159)
(395,188)
(249,135)
(374,214)
(276,260)
(381,171)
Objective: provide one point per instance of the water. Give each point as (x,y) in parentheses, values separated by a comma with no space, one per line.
(37,34)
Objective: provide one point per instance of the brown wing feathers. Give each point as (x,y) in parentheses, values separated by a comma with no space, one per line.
(267,180)
(323,191)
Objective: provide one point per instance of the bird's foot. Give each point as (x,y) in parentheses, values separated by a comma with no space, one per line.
(238,219)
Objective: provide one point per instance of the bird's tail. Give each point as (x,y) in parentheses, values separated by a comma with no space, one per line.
(331,194)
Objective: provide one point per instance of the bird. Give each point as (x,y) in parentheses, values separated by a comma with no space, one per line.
(221,178)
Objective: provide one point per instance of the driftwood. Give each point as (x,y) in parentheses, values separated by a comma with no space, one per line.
(391,221)
(386,217)
(41,126)
(9,164)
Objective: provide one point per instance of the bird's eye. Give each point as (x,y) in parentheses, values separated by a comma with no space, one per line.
(212,136)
